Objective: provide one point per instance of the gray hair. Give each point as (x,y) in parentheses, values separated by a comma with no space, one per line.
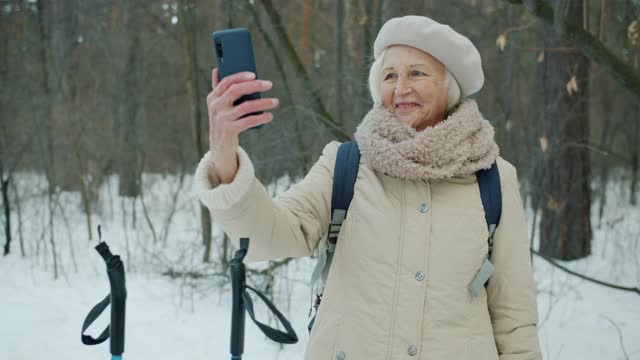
(375,78)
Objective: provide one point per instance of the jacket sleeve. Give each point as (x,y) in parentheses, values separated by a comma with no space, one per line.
(289,225)
(511,291)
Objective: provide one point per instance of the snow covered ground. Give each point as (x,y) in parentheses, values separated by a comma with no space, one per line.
(190,319)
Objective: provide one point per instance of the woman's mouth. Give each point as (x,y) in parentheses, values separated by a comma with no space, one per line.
(405,107)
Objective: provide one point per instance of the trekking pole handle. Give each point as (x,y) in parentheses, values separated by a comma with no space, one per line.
(238,283)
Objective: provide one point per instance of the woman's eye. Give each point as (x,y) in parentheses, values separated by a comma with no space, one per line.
(390,76)
(417,73)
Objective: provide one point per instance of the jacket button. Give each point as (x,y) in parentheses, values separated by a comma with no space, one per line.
(340,356)
(419,276)
(424,208)
(412,350)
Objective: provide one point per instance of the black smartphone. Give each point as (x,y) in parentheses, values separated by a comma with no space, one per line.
(234,54)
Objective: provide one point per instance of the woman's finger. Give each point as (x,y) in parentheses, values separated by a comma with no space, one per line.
(214,78)
(252,106)
(237,90)
(253,120)
(225,83)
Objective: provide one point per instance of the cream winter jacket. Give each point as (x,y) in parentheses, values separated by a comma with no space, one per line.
(407,251)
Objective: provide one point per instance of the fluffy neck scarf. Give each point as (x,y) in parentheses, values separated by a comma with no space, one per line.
(456,147)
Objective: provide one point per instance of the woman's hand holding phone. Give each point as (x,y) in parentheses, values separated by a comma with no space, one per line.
(226,121)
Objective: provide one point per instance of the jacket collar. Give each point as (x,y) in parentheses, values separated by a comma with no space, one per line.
(457,147)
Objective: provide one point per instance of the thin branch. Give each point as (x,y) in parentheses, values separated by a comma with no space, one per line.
(173,273)
(584,277)
(147,217)
(624,350)
(519,28)
(272,266)
(597,148)
(194,274)
(164,235)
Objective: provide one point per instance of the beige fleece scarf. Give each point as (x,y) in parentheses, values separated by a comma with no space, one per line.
(458,146)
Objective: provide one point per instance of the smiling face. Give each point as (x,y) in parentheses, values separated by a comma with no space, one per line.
(413,86)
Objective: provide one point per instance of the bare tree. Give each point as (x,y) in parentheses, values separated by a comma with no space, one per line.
(5,176)
(187,20)
(6,207)
(53,56)
(126,66)
(565,226)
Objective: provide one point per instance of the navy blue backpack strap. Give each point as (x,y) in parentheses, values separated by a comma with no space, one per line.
(345,174)
(491,195)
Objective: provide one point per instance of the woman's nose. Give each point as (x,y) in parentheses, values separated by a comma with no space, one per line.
(403,87)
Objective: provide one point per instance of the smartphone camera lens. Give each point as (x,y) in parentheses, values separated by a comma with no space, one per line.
(219,47)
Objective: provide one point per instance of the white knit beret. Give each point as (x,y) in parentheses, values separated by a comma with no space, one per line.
(452,49)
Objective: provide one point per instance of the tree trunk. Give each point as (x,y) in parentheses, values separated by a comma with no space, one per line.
(51,81)
(129,171)
(565,227)
(85,195)
(367,55)
(391,9)
(635,161)
(57,26)
(608,134)
(187,20)
(635,146)
(19,215)
(5,175)
(52,240)
(5,171)
(7,211)
(307,12)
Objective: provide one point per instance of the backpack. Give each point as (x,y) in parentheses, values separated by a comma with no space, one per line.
(344,179)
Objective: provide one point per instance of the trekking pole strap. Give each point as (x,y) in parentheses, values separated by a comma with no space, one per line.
(289,337)
(91,317)
(242,301)
(116,298)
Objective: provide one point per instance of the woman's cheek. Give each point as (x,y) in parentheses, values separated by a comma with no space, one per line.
(384,92)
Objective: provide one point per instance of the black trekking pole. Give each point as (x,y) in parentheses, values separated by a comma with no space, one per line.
(117,298)
(242,301)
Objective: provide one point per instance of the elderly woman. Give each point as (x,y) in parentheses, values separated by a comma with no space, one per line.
(415,235)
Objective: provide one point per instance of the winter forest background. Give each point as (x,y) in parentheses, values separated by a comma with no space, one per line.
(103,120)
